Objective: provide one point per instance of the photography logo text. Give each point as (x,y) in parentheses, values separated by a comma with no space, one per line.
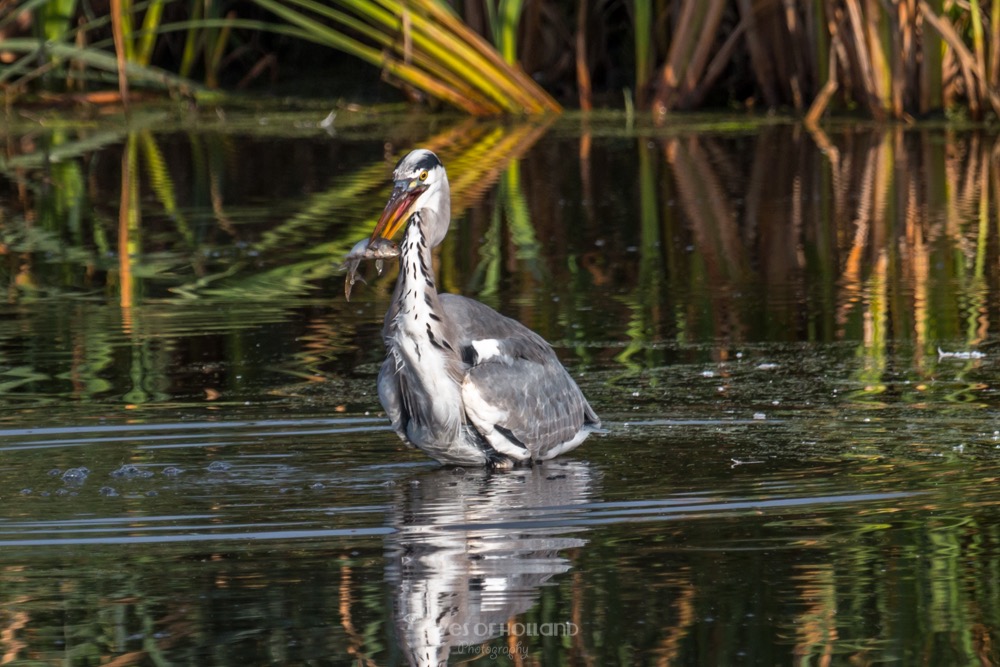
(494,652)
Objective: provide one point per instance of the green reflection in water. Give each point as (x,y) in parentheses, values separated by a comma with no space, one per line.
(640,327)
(792,471)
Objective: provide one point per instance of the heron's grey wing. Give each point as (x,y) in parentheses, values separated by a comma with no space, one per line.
(526,409)
(395,387)
(390,395)
(516,392)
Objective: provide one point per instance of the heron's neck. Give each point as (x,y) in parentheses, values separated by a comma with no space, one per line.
(418,337)
(416,298)
(416,268)
(418,328)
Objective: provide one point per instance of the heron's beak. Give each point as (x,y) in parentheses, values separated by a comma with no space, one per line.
(398,210)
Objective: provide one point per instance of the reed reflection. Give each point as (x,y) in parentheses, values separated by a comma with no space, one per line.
(176,235)
(471,550)
(620,247)
(876,237)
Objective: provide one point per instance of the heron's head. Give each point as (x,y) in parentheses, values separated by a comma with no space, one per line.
(421,184)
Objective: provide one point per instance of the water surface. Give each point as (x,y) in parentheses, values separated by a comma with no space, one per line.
(787,334)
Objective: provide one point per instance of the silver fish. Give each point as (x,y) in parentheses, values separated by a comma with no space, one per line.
(379,250)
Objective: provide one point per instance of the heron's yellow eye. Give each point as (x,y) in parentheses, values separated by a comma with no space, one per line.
(423,175)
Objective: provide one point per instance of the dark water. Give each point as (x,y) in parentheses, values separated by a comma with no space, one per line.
(788,335)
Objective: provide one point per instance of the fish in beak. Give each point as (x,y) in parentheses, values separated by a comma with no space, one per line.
(398,210)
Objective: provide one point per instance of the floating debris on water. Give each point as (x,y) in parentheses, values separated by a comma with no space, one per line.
(327,123)
(970,354)
(738,462)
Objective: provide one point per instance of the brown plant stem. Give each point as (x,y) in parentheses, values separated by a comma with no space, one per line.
(118,32)
(583,85)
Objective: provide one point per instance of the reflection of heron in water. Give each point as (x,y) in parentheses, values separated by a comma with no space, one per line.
(472,548)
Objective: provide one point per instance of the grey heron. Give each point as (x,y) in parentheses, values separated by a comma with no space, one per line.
(461,382)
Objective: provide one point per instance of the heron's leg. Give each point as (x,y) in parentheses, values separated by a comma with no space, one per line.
(497,461)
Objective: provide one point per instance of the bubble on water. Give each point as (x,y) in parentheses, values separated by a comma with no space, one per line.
(316,486)
(129,471)
(55,472)
(26,492)
(108,492)
(759,415)
(219,466)
(172,471)
(75,475)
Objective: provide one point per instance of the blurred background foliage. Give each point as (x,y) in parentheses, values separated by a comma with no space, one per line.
(875,58)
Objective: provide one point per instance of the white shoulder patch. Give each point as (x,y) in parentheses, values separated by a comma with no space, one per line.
(486,349)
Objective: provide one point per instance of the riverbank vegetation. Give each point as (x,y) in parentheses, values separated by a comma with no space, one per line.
(881,59)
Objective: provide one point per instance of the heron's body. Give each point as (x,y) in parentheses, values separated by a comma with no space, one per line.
(462,382)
